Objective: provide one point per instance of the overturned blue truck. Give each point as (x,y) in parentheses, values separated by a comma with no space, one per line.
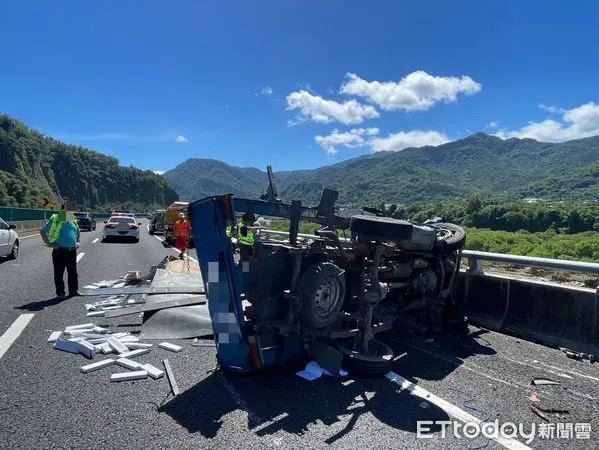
(323,296)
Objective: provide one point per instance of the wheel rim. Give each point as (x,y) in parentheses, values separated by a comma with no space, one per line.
(15,249)
(327,298)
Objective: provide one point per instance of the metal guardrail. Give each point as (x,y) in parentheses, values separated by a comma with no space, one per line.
(475,259)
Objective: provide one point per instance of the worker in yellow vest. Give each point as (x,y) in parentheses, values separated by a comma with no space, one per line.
(62,234)
(245,237)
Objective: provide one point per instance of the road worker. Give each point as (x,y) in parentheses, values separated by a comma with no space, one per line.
(245,237)
(182,232)
(62,234)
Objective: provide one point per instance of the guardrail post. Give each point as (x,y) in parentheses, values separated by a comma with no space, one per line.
(475,266)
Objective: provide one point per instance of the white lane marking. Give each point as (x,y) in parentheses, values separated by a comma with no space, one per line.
(451,410)
(95,240)
(13,332)
(30,236)
(177,250)
(79,256)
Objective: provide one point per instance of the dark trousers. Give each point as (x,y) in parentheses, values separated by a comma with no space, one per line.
(64,258)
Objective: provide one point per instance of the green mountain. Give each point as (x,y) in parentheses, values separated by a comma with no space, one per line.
(477,165)
(33,166)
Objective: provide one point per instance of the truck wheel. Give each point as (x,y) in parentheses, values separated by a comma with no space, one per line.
(452,236)
(378,360)
(321,292)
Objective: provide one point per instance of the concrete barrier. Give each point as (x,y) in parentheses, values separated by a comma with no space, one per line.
(25,226)
(556,315)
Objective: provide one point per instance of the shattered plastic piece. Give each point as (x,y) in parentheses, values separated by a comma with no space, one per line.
(128,363)
(66,346)
(126,376)
(154,372)
(170,347)
(534,398)
(97,365)
(543,382)
(54,336)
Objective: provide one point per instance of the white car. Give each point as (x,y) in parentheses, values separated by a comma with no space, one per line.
(9,240)
(121,227)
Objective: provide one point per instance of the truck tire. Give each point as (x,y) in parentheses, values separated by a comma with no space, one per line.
(378,362)
(454,236)
(321,293)
(381,227)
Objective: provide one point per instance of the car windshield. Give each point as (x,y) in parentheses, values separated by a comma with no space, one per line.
(121,220)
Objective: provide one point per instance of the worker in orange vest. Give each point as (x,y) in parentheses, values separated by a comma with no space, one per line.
(182,231)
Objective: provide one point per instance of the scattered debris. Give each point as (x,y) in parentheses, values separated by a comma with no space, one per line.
(170,347)
(97,365)
(87,349)
(128,363)
(534,398)
(54,336)
(154,372)
(136,345)
(134,353)
(539,413)
(314,371)
(543,382)
(66,346)
(171,377)
(579,356)
(127,376)
(116,345)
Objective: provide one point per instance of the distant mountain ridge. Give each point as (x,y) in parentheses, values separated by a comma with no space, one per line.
(480,164)
(33,166)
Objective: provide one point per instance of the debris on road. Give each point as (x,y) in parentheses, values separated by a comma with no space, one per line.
(128,363)
(314,371)
(134,353)
(127,376)
(171,377)
(539,413)
(534,398)
(154,372)
(54,336)
(97,365)
(579,356)
(543,382)
(170,347)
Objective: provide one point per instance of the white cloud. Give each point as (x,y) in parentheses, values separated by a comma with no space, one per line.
(181,139)
(317,109)
(417,91)
(494,124)
(158,172)
(265,91)
(351,139)
(401,140)
(552,109)
(575,123)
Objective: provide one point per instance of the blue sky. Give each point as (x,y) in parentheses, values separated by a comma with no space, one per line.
(297,84)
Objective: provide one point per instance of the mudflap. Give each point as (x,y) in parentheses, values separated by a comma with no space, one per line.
(328,357)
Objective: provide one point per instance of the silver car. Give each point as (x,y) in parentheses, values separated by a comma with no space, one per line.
(9,240)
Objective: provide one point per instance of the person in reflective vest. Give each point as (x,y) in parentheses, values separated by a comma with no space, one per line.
(245,237)
(62,234)
(182,231)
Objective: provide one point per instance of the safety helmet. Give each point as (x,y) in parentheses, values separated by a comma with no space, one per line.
(181,215)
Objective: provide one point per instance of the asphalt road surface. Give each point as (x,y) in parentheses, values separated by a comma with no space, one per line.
(45,402)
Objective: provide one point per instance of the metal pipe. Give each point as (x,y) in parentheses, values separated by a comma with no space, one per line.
(575,266)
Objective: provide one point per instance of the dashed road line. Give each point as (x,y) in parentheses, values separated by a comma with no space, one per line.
(30,236)
(451,409)
(79,256)
(13,332)
(95,240)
